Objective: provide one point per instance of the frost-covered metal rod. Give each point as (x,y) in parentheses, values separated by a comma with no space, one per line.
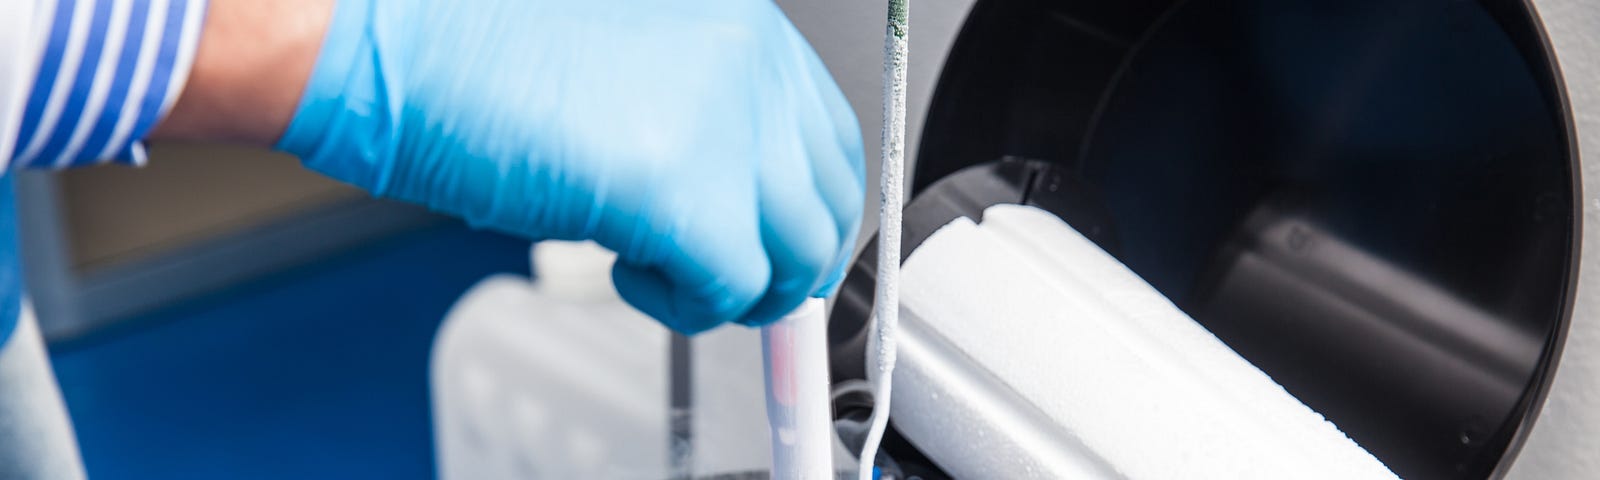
(887,298)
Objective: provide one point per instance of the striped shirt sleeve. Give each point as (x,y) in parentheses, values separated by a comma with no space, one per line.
(108,70)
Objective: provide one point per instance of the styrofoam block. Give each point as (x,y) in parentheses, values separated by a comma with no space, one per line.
(1118,368)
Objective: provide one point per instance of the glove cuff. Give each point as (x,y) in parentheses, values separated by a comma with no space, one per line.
(346,124)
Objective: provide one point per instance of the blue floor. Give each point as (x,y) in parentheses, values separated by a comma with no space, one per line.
(318,372)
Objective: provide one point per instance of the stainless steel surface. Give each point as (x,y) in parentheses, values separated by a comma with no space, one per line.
(1566,431)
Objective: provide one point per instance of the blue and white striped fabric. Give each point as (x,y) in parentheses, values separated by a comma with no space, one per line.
(107,71)
(81,81)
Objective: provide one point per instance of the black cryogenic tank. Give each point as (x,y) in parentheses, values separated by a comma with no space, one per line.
(1374,201)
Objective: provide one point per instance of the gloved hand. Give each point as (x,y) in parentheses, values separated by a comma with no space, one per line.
(701,140)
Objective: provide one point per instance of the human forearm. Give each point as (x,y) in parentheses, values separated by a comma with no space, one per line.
(252,64)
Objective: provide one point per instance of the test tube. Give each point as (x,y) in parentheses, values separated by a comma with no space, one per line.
(794,354)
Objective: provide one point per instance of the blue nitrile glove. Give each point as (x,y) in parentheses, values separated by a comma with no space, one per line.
(702,140)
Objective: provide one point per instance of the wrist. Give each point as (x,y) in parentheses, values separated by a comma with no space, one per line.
(251,66)
(346,120)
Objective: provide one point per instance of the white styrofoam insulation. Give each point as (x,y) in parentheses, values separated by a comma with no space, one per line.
(1133,382)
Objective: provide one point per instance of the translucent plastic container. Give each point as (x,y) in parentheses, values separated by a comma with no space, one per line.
(558,378)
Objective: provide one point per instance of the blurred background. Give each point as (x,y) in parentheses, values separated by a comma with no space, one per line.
(224,313)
